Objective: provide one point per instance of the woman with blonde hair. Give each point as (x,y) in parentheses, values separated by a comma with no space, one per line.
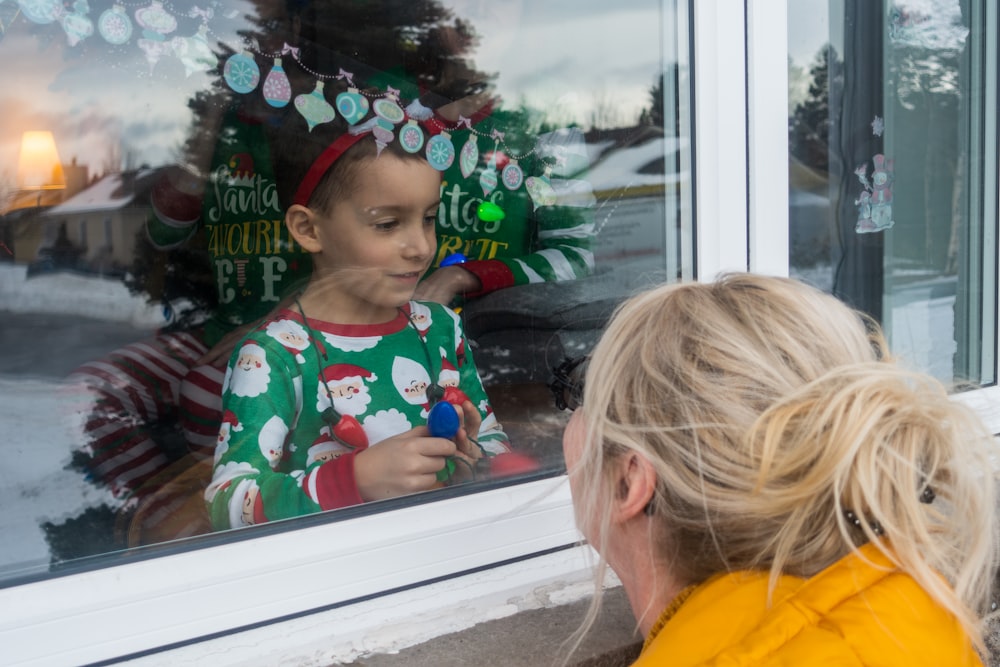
(772,488)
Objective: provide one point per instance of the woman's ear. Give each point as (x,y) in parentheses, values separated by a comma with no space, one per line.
(301,223)
(635,487)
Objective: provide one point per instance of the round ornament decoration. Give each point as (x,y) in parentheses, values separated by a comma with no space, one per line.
(241,72)
(352,105)
(469,157)
(411,137)
(386,107)
(41,11)
(115,26)
(440,151)
(277,90)
(314,107)
(512,175)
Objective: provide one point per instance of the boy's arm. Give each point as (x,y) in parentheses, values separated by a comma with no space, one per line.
(560,206)
(260,403)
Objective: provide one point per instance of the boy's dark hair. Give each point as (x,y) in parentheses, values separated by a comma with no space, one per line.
(295,148)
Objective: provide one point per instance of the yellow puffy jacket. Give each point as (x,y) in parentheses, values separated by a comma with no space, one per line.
(851,614)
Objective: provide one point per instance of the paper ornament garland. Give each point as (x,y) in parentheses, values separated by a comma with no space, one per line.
(412,127)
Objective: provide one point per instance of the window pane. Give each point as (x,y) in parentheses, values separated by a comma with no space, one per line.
(142,224)
(893,148)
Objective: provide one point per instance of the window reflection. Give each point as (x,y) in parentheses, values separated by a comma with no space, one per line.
(143,107)
(893,150)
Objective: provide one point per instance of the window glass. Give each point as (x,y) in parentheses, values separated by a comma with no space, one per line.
(893,171)
(151,150)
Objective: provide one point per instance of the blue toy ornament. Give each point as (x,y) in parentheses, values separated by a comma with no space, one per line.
(442,420)
(453,259)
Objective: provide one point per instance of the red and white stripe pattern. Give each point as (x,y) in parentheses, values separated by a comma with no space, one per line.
(130,389)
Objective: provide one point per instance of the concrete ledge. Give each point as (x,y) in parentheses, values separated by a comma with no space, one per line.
(529,639)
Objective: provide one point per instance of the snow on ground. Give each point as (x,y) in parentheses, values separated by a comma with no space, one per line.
(39,435)
(73,294)
(40,422)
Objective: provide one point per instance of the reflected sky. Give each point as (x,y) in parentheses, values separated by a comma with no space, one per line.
(583,61)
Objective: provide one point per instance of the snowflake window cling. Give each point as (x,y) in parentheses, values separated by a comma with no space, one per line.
(241,72)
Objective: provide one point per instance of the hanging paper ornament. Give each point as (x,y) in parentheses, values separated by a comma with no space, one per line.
(440,151)
(277,91)
(411,137)
(540,190)
(41,11)
(241,72)
(469,157)
(352,105)
(512,175)
(314,107)
(387,108)
(194,52)
(154,50)
(115,26)
(156,21)
(382,132)
(488,179)
(77,25)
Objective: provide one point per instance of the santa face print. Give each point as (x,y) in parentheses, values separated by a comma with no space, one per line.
(345,385)
(290,334)
(251,373)
(378,242)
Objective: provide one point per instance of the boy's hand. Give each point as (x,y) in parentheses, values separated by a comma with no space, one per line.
(467,449)
(403,464)
(444,284)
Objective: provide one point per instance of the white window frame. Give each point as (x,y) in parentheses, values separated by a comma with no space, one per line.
(336,591)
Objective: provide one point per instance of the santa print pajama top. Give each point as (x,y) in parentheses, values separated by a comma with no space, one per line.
(275,456)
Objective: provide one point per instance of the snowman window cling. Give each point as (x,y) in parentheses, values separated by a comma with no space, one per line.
(875,201)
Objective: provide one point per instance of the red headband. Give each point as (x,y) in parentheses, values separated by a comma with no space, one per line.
(322,164)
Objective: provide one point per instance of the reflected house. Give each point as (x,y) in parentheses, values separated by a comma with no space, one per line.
(101,222)
(43,181)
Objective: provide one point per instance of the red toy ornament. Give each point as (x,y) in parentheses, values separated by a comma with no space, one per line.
(349,431)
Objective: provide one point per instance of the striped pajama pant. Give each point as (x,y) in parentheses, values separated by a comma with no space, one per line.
(138,399)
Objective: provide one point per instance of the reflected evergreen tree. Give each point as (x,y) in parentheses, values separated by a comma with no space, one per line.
(653,115)
(89,533)
(810,122)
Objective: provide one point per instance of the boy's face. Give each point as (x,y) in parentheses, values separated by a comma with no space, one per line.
(379,241)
